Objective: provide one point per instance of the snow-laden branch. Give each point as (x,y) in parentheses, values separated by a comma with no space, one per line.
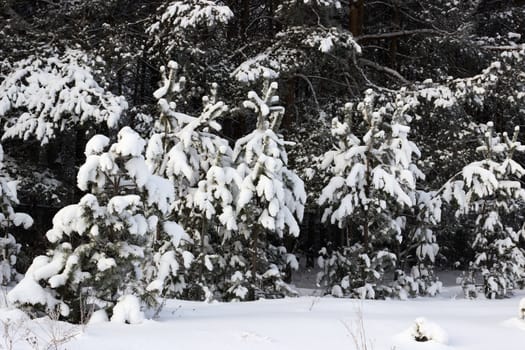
(45,95)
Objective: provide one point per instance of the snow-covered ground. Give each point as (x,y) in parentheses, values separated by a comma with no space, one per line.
(307,322)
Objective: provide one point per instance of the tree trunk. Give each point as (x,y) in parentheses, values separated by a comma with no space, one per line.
(356,16)
(368,177)
(271,11)
(204,232)
(396,26)
(245,17)
(291,85)
(255,238)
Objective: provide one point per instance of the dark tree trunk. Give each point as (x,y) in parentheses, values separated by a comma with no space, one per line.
(356,17)
(291,85)
(245,17)
(396,25)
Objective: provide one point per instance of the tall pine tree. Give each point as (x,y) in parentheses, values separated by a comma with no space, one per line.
(270,203)
(372,188)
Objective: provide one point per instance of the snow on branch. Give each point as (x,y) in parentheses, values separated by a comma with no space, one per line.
(191,14)
(293,49)
(43,95)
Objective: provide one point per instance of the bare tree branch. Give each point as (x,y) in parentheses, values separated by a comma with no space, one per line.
(384,69)
(399,33)
(305,78)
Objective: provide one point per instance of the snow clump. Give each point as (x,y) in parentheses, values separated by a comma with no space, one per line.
(127,310)
(521,311)
(423,331)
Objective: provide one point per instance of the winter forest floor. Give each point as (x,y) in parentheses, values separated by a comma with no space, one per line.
(307,322)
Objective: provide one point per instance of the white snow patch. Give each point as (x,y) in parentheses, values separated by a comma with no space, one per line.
(99,316)
(127,310)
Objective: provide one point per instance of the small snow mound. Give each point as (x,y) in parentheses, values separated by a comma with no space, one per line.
(127,310)
(337,291)
(13,316)
(521,309)
(423,331)
(514,323)
(99,316)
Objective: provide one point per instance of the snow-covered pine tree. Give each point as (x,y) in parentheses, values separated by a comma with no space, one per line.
(180,22)
(214,202)
(417,256)
(189,151)
(373,185)
(423,245)
(270,203)
(45,95)
(193,33)
(490,190)
(9,219)
(114,242)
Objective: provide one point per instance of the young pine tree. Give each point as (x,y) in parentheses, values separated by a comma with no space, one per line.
(9,219)
(422,248)
(189,151)
(490,192)
(372,188)
(114,242)
(270,202)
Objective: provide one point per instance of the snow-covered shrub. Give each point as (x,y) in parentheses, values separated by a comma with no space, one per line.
(9,219)
(467,280)
(57,93)
(10,249)
(270,201)
(423,331)
(114,242)
(491,191)
(99,316)
(373,185)
(223,197)
(350,271)
(404,285)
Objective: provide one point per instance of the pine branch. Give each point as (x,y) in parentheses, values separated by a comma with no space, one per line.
(400,33)
(19,23)
(504,48)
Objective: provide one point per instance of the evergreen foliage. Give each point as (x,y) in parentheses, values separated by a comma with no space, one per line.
(189,152)
(373,186)
(9,219)
(201,194)
(490,191)
(271,199)
(55,94)
(114,242)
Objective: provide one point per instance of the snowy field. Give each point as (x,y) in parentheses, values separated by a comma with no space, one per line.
(307,322)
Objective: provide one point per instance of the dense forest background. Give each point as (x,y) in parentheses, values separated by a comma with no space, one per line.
(401,117)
